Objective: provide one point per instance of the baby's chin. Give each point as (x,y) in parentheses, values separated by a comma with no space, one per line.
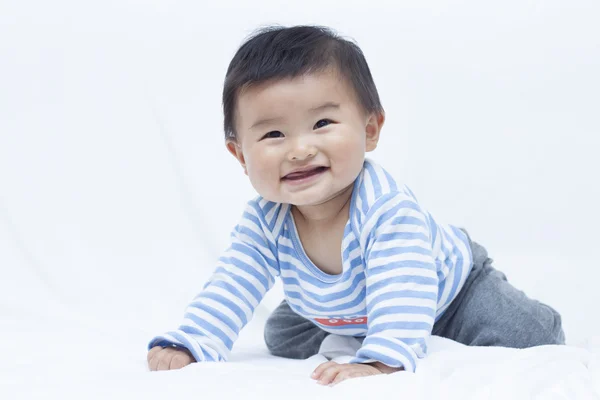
(298,201)
(309,202)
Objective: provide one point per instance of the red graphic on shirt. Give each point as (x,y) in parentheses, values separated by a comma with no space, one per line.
(342,321)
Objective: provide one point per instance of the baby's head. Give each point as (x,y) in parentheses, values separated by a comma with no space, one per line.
(301,109)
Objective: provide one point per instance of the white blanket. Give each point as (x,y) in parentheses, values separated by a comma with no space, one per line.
(78,358)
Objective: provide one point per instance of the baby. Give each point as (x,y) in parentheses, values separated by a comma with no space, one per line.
(357,254)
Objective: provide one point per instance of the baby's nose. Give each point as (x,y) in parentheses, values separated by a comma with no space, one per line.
(302,151)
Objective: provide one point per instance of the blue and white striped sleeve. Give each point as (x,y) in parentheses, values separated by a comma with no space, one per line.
(401,283)
(244,274)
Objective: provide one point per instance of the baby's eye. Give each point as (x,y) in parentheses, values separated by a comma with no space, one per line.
(273,135)
(322,123)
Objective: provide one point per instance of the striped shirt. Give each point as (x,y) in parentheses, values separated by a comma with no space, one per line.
(401,270)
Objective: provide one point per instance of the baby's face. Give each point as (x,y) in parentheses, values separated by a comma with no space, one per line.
(302,141)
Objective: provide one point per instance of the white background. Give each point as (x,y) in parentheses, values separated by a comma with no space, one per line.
(117,194)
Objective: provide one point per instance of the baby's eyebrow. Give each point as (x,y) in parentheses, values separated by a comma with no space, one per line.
(265,121)
(327,106)
(330,105)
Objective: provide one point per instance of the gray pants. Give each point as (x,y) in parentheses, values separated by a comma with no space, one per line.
(488,311)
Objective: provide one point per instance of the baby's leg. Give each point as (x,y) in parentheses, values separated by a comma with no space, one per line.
(489,311)
(289,335)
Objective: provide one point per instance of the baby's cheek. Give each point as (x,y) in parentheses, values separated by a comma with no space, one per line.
(347,141)
(348,154)
(265,181)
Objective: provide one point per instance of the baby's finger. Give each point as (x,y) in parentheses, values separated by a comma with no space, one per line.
(329,374)
(153,352)
(153,363)
(319,370)
(346,374)
(164,360)
(179,361)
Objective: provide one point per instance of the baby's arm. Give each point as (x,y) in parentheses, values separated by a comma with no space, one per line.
(213,320)
(402,283)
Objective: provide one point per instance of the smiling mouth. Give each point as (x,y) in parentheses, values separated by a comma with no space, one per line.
(294,176)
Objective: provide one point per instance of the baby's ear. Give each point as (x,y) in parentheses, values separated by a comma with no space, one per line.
(373,128)
(236,150)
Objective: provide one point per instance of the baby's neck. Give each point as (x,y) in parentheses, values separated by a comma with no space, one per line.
(326,212)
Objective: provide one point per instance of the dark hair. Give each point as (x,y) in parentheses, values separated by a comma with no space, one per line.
(279,52)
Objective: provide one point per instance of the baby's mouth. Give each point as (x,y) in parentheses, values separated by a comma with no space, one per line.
(304,174)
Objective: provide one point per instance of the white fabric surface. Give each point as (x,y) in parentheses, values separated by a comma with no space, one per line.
(117,195)
(78,358)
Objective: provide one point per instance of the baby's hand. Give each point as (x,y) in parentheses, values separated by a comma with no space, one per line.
(332,373)
(161,359)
